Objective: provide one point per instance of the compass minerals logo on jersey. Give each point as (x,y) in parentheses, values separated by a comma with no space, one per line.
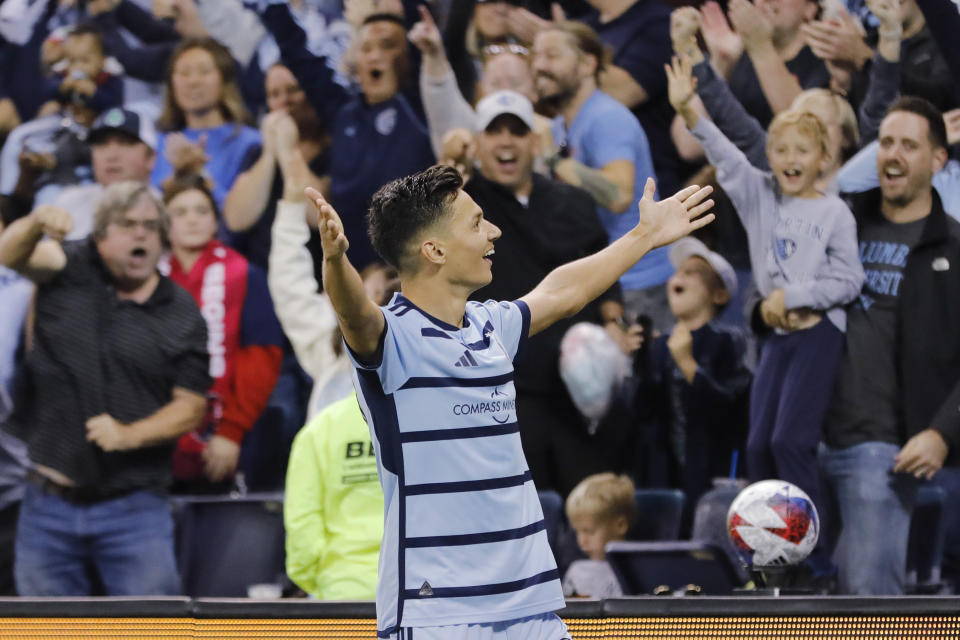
(499,407)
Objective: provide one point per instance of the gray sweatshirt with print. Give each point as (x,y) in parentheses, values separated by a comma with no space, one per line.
(807,247)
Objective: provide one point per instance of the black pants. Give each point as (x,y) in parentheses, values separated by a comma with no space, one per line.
(8,533)
(558,447)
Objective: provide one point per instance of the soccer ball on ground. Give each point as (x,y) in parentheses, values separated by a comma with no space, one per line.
(773,523)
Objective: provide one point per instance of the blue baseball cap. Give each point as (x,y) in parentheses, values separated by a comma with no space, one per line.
(124,121)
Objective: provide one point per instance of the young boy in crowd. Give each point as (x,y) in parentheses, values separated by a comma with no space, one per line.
(600,509)
(82,78)
(804,255)
(693,392)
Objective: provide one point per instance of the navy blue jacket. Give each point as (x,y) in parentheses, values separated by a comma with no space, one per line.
(370,144)
(711,411)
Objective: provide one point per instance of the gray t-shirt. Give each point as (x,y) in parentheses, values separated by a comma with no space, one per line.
(591,578)
(866,402)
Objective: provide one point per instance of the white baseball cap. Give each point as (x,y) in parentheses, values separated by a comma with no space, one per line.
(501,102)
(687,247)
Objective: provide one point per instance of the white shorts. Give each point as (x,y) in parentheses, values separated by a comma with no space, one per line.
(545,626)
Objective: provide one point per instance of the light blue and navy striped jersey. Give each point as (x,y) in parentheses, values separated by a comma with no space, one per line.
(464,537)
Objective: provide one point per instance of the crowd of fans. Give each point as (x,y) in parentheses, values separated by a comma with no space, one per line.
(163,325)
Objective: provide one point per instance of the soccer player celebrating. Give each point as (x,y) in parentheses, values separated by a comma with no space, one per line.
(464,551)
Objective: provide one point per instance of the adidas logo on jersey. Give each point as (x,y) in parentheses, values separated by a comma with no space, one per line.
(426,590)
(467,360)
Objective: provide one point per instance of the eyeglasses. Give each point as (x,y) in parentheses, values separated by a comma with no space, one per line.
(497,49)
(127,224)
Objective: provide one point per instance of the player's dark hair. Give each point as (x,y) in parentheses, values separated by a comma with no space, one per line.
(937,130)
(403,208)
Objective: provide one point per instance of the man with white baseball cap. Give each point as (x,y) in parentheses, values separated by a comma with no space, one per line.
(545,223)
(122,147)
(501,102)
(695,394)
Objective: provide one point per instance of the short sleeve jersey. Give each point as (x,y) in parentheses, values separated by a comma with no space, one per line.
(464,536)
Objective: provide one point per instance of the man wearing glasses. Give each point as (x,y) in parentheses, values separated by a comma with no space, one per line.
(117,372)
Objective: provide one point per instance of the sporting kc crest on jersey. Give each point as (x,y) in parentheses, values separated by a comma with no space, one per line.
(386,121)
(785,248)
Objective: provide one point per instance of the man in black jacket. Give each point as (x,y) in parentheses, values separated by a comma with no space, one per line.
(900,378)
(545,224)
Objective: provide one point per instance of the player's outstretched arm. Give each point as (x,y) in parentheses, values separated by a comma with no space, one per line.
(567,289)
(360,320)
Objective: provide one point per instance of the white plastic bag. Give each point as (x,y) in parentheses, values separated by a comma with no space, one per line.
(592,367)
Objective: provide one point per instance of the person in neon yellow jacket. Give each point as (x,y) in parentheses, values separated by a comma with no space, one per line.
(333,508)
(333,504)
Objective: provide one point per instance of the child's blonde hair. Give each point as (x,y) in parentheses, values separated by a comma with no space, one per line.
(603,496)
(846,118)
(807,123)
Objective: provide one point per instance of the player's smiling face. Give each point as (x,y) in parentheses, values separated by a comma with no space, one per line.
(468,244)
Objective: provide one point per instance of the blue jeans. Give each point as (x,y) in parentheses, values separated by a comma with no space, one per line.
(127,540)
(868,519)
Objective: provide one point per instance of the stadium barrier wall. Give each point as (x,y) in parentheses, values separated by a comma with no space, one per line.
(691,617)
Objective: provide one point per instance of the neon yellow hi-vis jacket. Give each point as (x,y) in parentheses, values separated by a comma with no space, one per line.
(333,506)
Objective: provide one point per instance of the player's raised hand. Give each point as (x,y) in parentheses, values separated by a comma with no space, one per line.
(679,215)
(332,238)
